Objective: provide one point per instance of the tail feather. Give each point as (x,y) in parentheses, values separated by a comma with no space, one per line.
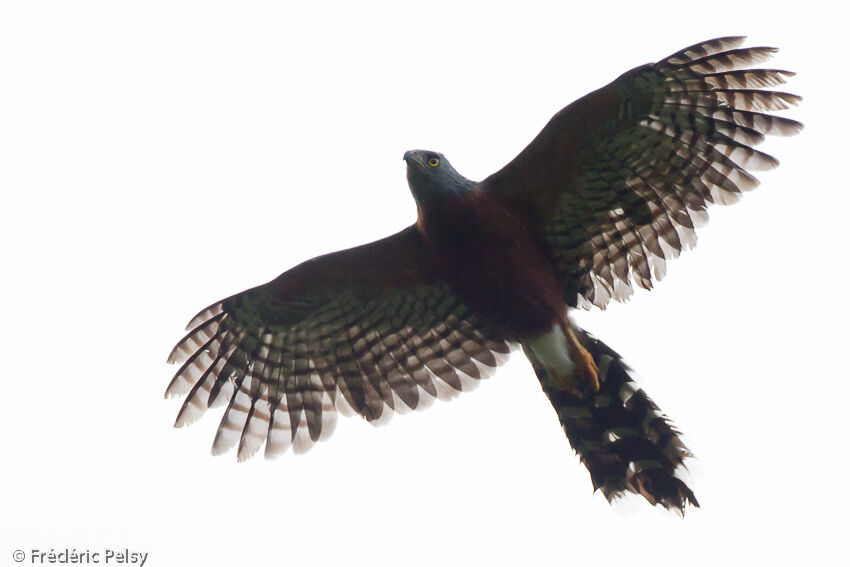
(621,436)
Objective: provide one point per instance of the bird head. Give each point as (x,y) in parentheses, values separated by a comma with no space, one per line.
(432,179)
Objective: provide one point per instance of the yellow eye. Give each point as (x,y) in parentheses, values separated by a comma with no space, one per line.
(433,162)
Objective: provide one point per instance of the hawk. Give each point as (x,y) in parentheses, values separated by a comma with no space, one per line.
(609,191)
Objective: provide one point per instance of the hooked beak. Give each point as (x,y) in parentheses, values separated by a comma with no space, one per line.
(414,158)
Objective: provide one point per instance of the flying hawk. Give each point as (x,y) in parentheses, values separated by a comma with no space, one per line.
(607,193)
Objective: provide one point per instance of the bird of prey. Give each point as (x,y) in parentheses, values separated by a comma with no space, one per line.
(609,191)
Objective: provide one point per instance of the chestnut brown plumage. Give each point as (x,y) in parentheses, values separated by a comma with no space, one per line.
(611,188)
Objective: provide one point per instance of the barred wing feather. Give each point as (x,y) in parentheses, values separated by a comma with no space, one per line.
(364,329)
(618,180)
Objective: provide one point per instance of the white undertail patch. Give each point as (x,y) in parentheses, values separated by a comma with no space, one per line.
(551,350)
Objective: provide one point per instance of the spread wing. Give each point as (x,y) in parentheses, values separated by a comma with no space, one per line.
(617,180)
(366,329)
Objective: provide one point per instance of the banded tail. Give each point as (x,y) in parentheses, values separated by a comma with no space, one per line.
(621,436)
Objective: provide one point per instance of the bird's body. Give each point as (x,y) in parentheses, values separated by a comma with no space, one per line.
(610,190)
(495,264)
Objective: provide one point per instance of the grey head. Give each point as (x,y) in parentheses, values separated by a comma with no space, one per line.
(432,179)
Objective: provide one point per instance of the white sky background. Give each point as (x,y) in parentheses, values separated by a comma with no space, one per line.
(158,156)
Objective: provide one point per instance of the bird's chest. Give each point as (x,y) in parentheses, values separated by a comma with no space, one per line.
(498,268)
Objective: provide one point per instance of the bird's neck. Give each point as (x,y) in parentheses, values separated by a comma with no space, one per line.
(441,218)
